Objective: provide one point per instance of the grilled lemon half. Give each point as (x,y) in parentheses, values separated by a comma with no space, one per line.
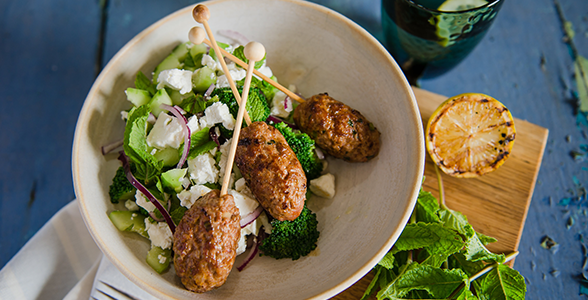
(470,135)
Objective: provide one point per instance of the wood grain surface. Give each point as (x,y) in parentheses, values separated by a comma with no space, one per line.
(496,204)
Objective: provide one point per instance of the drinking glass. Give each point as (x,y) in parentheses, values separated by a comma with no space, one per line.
(429,37)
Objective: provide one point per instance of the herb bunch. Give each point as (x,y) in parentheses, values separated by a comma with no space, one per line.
(438,256)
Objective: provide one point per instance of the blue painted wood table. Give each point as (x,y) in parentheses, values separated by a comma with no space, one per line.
(51,51)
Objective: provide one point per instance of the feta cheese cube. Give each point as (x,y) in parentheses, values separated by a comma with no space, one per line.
(241,187)
(188,197)
(143,202)
(193,124)
(236,74)
(219,112)
(210,62)
(167,132)
(245,204)
(202,169)
(131,205)
(281,105)
(176,79)
(159,234)
(323,186)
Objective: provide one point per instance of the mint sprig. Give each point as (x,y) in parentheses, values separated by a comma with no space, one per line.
(438,256)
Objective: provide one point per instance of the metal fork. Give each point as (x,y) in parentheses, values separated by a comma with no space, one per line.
(112,293)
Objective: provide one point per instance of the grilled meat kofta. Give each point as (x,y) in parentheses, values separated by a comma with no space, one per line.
(271,170)
(339,130)
(205,242)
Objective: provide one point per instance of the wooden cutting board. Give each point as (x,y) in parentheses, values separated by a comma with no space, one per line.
(496,204)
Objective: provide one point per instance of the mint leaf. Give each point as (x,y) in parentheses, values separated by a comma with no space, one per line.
(143,83)
(457,221)
(135,142)
(467,295)
(502,283)
(458,260)
(435,238)
(426,208)
(476,251)
(387,261)
(439,283)
(238,52)
(370,289)
(486,239)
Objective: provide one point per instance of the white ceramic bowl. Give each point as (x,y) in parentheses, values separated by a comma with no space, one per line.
(320,51)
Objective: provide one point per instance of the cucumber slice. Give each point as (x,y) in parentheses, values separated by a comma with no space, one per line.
(172,179)
(125,220)
(180,51)
(176,97)
(159,259)
(203,78)
(198,49)
(170,156)
(161,97)
(137,96)
(170,62)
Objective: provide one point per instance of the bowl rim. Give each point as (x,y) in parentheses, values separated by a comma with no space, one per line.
(404,85)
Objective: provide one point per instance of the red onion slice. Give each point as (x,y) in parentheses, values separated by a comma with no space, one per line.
(108,148)
(248,219)
(278,120)
(181,110)
(209,91)
(286,102)
(252,253)
(234,35)
(151,119)
(125,161)
(187,134)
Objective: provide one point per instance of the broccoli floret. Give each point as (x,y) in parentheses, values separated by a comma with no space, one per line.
(303,146)
(121,189)
(292,239)
(257,105)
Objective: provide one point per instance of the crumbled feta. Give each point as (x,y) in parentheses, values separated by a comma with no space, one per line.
(241,187)
(202,169)
(188,197)
(245,204)
(176,79)
(219,112)
(143,202)
(131,205)
(193,124)
(124,115)
(162,259)
(210,62)
(281,105)
(323,186)
(167,132)
(242,245)
(236,75)
(186,182)
(159,234)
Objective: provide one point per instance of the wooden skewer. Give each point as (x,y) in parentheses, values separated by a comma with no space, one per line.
(241,63)
(201,14)
(254,51)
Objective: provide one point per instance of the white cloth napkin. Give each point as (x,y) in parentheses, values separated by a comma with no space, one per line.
(61,261)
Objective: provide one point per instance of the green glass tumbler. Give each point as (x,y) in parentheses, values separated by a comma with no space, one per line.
(427,39)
